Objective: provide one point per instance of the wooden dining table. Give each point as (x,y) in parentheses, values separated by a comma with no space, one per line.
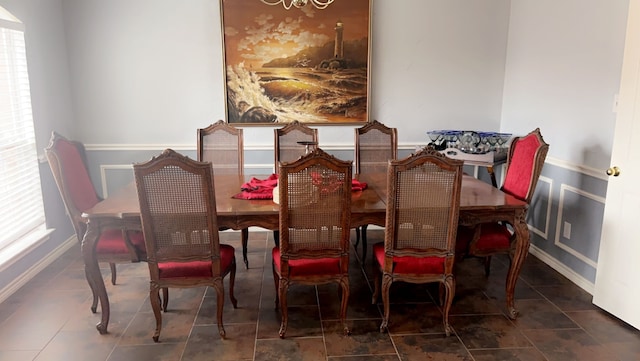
(479,202)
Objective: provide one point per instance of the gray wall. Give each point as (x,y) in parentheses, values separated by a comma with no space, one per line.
(131,77)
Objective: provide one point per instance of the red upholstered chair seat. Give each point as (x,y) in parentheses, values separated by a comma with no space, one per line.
(408,264)
(112,242)
(196,269)
(493,236)
(308,267)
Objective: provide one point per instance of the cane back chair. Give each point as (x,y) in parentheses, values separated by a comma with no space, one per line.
(222,145)
(287,148)
(315,211)
(376,144)
(423,202)
(179,221)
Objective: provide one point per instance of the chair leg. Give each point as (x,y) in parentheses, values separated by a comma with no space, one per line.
(386,285)
(113,273)
(165,298)
(487,265)
(282,295)
(219,287)
(344,283)
(154,297)
(245,241)
(232,282)
(449,287)
(276,238)
(442,294)
(276,278)
(377,279)
(357,238)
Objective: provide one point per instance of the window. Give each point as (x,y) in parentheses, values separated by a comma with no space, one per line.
(20,191)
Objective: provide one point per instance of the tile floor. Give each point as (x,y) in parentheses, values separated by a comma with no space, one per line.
(49,318)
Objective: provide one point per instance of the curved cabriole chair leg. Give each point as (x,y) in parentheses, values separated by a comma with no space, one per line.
(154,297)
(343,306)
(449,288)
(219,287)
(386,285)
(282,290)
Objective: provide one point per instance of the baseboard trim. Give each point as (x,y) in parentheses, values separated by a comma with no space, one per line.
(25,277)
(574,277)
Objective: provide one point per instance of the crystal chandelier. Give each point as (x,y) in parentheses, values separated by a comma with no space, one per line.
(320,4)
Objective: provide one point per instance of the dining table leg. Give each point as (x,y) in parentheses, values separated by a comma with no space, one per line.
(93,274)
(492,175)
(518,255)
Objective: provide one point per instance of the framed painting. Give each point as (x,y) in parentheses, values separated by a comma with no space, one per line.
(302,63)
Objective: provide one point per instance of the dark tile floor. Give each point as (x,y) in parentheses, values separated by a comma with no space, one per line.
(49,318)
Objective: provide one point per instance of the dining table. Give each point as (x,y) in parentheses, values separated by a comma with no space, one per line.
(480,202)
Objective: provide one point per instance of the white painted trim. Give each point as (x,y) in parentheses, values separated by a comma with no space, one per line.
(25,277)
(247,147)
(103,174)
(138,147)
(593,172)
(545,234)
(566,188)
(14,251)
(567,272)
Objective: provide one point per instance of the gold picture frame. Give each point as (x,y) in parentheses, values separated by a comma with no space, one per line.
(303,64)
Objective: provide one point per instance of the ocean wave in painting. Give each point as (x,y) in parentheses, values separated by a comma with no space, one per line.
(309,95)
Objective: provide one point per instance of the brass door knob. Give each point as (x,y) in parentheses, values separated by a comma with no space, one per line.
(614,171)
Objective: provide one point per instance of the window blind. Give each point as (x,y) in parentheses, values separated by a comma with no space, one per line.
(20,191)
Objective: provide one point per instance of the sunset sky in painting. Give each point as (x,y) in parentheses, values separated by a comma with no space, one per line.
(256,33)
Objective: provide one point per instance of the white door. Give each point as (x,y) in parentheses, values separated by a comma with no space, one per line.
(617,287)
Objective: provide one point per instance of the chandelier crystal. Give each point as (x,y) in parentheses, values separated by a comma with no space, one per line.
(287,4)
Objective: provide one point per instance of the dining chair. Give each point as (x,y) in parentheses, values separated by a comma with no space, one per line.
(68,162)
(423,202)
(376,144)
(286,139)
(179,221)
(315,211)
(525,160)
(288,147)
(222,145)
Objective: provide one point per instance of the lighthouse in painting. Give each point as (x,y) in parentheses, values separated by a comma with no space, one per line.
(338,51)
